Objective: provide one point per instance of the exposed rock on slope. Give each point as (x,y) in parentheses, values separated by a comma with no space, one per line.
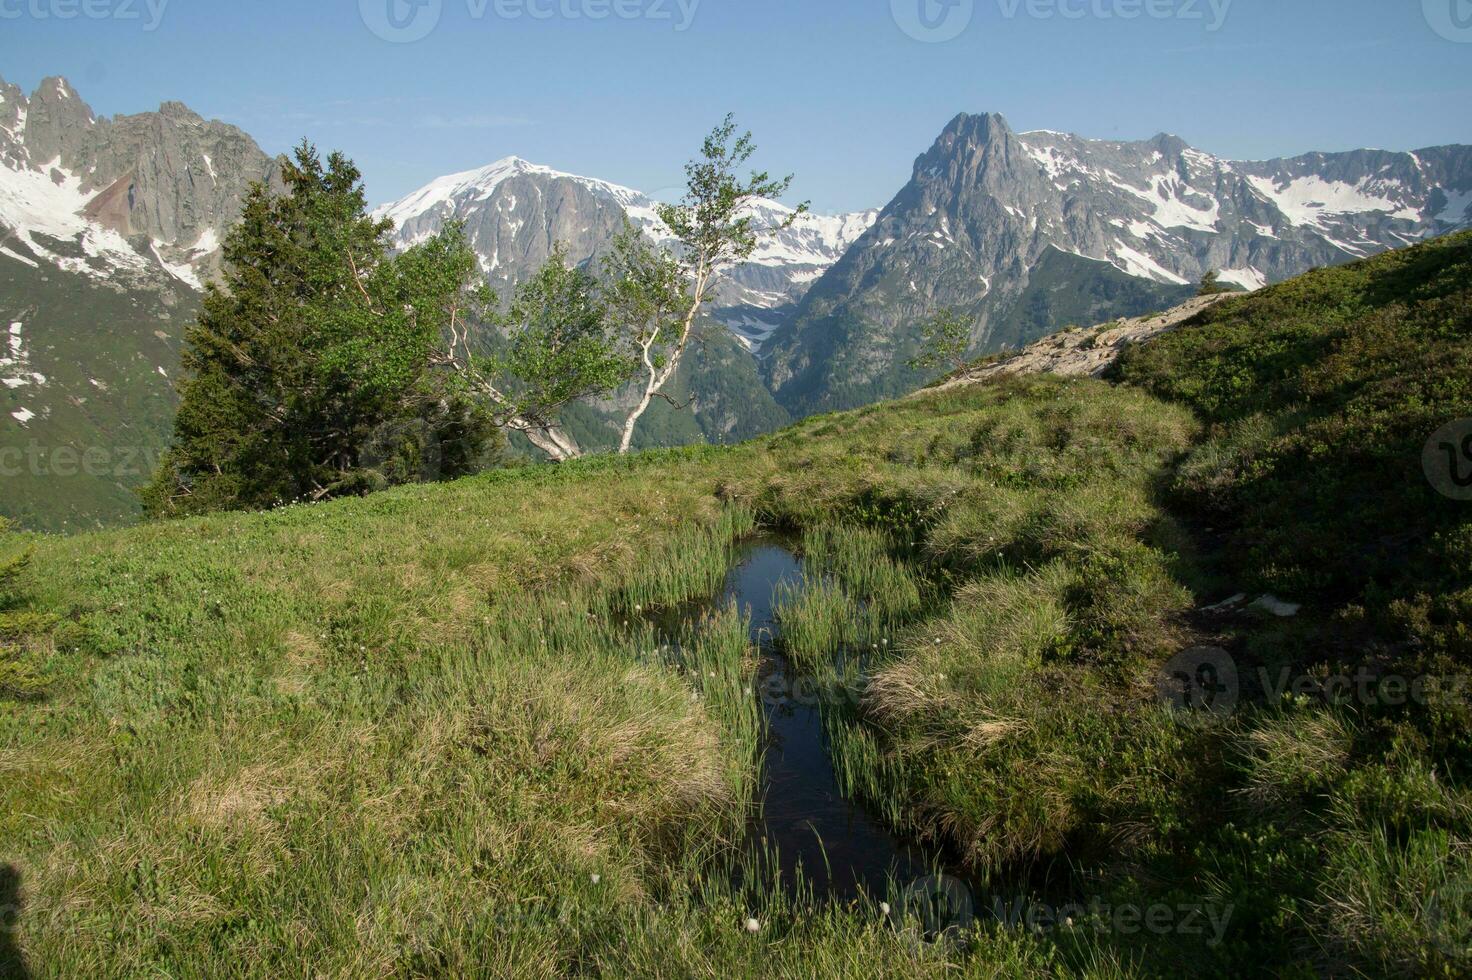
(1082,352)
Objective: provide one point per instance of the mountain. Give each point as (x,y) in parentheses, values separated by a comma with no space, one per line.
(1027,232)
(123,199)
(108,227)
(514,211)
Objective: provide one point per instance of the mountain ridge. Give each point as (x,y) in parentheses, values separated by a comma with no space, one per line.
(984,204)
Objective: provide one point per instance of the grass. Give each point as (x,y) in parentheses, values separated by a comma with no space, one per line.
(400,735)
(429,732)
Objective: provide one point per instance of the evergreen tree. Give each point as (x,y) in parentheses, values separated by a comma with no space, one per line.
(317,344)
(1211,284)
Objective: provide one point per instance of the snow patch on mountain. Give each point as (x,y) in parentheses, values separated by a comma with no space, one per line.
(1249,278)
(1309,201)
(1137,263)
(15,365)
(1176,204)
(48,202)
(1458,208)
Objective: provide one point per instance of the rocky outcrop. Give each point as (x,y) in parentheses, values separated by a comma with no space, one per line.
(1081,352)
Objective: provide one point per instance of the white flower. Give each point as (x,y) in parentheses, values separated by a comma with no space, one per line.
(597,878)
(753,926)
(884,909)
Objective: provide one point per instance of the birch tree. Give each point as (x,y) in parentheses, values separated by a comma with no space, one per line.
(560,348)
(657,293)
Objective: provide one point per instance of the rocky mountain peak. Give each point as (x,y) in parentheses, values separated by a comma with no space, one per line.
(57,122)
(1169,144)
(1019,230)
(144,194)
(980,127)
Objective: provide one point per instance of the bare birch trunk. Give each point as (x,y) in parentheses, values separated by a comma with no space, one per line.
(558,445)
(659,378)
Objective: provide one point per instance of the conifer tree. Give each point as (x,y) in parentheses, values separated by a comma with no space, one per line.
(316,343)
(1211,284)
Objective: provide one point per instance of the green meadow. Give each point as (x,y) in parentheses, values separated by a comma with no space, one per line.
(430,731)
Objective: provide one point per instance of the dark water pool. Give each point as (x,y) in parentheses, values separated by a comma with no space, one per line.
(840,848)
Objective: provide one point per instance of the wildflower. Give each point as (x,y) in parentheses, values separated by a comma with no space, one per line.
(597,878)
(884,909)
(753,926)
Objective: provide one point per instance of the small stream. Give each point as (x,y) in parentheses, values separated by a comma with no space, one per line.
(842,850)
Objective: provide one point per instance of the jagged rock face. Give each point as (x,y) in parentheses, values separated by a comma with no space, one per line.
(987,206)
(145,194)
(514,211)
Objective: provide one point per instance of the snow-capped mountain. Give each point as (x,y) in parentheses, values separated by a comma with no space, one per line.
(125,199)
(515,211)
(1165,211)
(989,211)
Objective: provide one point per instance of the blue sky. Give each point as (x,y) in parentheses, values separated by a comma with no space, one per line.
(836,92)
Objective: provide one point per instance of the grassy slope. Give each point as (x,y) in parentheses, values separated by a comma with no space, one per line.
(78,329)
(371,737)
